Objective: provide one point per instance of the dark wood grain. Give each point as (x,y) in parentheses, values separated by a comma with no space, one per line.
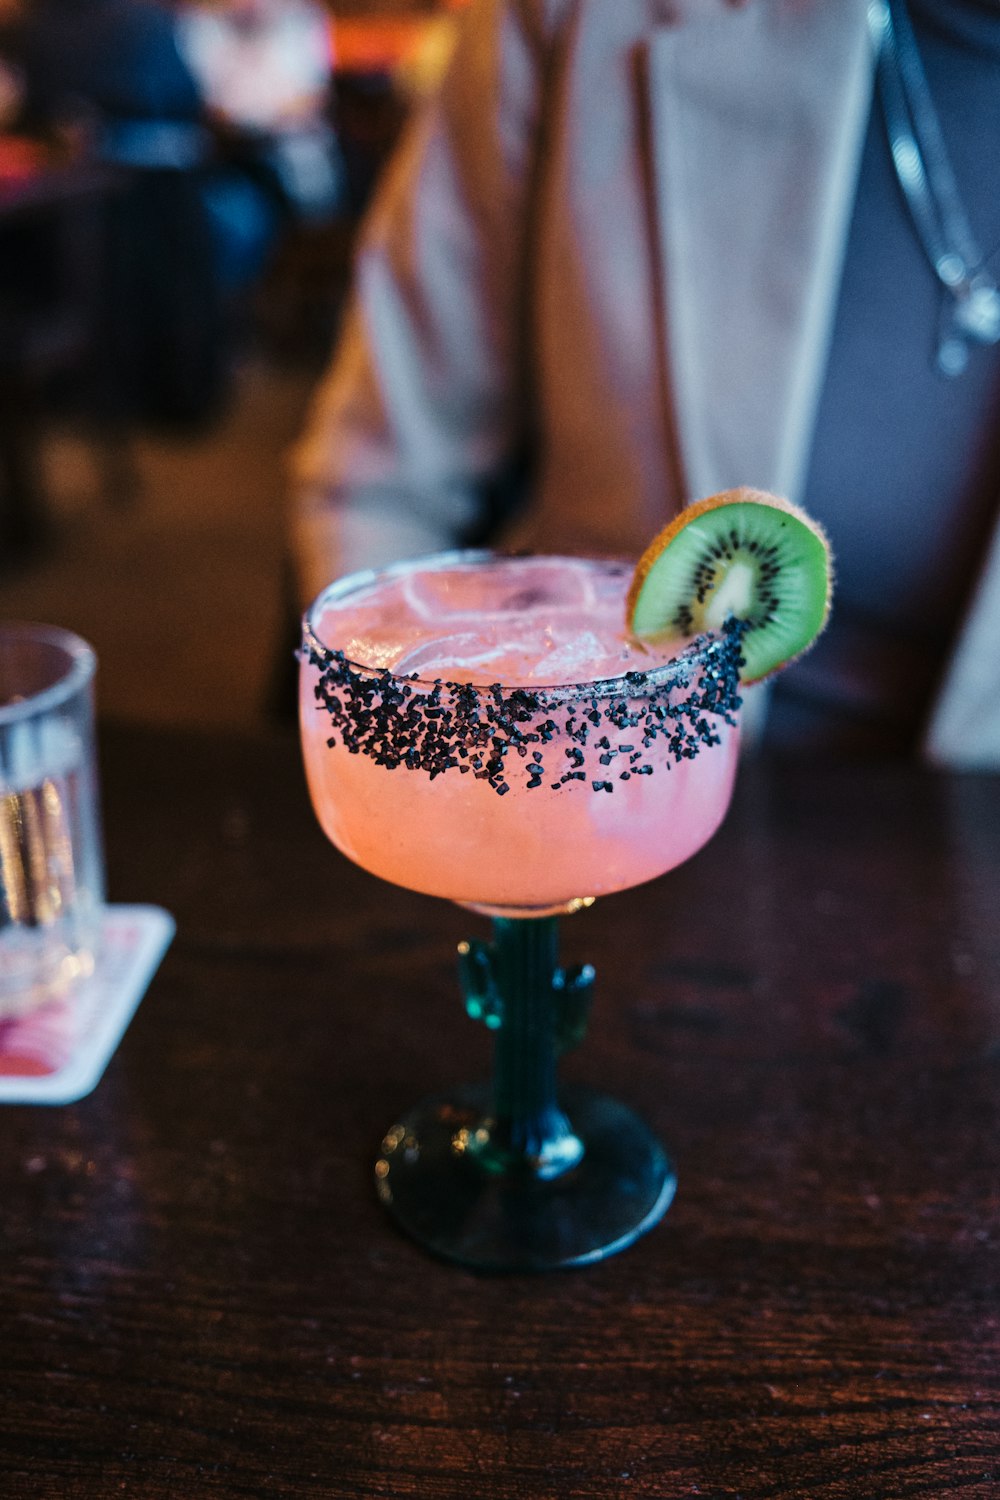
(202,1298)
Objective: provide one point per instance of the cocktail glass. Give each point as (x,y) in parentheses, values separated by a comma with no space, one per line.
(519,800)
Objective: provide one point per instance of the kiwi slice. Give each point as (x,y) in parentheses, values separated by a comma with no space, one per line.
(744,554)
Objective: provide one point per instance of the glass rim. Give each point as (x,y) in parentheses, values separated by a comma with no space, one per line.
(79,670)
(698,650)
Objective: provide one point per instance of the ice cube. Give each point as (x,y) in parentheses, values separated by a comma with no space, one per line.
(584,657)
(505,586)
(462,657)
(436,595)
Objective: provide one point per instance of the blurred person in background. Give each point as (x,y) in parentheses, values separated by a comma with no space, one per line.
(101,66)
(264,70)
(190,233)
(635,253)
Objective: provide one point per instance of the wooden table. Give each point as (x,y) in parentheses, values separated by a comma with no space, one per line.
(202,1298)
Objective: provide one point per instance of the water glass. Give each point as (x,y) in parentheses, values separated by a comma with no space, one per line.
(51,856)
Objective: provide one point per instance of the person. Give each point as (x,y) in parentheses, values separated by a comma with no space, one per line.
(264,68)
(635,254)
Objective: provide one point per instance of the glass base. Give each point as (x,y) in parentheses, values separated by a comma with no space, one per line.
(455,1202)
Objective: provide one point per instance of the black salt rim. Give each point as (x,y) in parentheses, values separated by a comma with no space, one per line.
(433,725)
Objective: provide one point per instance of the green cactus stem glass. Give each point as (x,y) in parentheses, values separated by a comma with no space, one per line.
(520,1174)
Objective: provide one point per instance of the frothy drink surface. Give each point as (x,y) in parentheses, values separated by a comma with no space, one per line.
(537,621)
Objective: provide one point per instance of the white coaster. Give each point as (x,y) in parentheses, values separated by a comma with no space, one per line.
(58,1052)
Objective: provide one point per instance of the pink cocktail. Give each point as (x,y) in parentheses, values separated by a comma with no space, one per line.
(592,766)
(482,729)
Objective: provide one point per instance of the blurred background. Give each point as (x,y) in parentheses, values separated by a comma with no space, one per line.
(180,185)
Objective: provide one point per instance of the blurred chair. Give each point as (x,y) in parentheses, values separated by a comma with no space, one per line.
(52,268)
(165,315)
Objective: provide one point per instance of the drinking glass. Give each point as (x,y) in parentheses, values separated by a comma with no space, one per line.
(51,858)
(522,803)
